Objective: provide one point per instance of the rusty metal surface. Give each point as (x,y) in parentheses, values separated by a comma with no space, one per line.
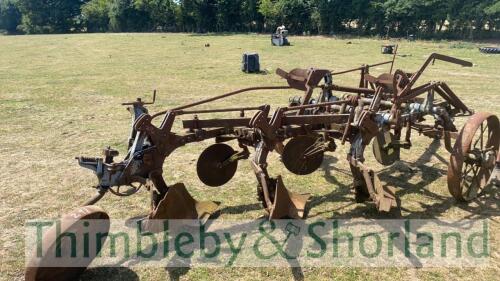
(381,105)
(43,269)
(287,204)
(383,149)
(303,155)
(386,109)
(474,156)
(179,204)
(215,166)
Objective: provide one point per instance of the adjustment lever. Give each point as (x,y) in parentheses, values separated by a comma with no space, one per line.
(139,101)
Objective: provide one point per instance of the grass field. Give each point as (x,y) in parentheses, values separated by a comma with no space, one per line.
(60,97)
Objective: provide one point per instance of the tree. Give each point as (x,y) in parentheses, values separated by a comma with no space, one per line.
(332,15)
(96,15)
(493,12)
(250,16)
(228,15)
(432,14)
(123,16)
(400,16)
(207,15)
(50,16)
(187,15)
(296,14)
(468,18)
(426,18)
(161,13)
(10,16)
(271,12)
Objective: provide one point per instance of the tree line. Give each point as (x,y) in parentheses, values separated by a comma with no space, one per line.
(464,19)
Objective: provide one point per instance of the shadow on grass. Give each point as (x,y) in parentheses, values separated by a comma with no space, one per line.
(483,206)
(400,175)
(109,273)
(341,193)
(241,208)
(175,273)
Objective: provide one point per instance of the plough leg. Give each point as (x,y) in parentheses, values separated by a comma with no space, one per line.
(367,185)
(279,202)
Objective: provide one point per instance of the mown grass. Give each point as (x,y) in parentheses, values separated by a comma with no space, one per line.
(60,96)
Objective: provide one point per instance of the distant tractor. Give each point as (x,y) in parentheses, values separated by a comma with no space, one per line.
(279,38)
(388,49)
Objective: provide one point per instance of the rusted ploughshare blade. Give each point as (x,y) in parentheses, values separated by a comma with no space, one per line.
(280,202)
(287,204)
(179,204)
(384,197)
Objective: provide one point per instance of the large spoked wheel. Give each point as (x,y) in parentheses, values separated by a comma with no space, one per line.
(474,156)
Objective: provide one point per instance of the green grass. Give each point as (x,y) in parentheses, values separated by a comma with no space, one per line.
(60,96)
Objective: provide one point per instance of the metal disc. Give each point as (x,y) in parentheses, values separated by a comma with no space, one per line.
(385,154)
(211,167)
(295,159)
(51,267)
(475,157)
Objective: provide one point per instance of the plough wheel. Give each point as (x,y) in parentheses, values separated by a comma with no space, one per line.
(474,156)
(50,267)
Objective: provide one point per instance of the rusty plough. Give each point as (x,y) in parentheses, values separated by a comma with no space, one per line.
(385,111)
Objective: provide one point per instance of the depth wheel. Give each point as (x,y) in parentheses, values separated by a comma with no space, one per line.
(48,266)
(474,156)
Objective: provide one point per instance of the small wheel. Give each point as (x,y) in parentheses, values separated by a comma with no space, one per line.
(474,156)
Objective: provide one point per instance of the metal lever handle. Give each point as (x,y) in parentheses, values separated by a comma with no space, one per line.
(140,102)
(451,60)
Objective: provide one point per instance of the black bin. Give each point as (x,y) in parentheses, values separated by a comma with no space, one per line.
(250,63)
